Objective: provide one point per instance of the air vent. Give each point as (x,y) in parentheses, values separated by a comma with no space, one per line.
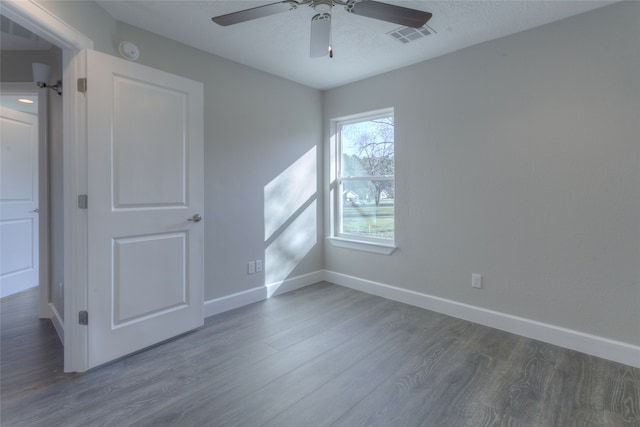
(408,34)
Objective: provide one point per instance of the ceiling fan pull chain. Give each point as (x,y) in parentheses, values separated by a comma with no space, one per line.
(330,41)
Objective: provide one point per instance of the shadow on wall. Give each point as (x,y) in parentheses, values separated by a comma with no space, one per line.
(290,219)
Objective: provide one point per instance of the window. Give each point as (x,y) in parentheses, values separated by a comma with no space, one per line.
(365,195)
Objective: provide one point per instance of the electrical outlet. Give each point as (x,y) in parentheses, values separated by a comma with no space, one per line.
(251,267)
(476,281)
(258,266)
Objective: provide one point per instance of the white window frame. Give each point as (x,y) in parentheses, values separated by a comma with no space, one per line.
(377,245)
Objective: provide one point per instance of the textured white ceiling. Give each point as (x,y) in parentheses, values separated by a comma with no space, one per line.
(11,101)
(279,44)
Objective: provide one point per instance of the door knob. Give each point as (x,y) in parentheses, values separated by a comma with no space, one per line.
(195,218)
(36,210)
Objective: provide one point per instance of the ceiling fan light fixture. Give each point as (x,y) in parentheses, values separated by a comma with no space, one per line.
(322,6)
(320,35)
(321,22)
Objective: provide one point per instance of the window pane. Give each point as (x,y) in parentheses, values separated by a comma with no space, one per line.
(368,208)
(366,171)
(367,147)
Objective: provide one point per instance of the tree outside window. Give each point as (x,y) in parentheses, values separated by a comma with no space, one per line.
(366,177)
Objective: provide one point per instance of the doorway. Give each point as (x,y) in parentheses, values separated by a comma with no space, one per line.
(26,245)
(44,24)
(172,237)
(19,191)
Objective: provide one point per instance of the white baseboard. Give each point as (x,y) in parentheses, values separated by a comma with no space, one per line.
(605,348)
(586,343)
(229,302)
(58,324)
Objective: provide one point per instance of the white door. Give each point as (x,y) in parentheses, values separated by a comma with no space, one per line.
(145,168)
(18,201)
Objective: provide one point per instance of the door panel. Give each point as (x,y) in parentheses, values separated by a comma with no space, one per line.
(145,162)
(141,286)
(18,201)
(17,246)
(149,173)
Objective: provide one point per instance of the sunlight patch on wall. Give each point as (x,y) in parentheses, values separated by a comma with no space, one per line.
(289,248)
(290,219)
(289,191)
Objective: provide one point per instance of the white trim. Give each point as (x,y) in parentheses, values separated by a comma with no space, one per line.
(233,301)
(605,348)
(240,299)
(369,115)
(75,181)
(359,245)
(57,321)
(348,240)
(43,23)
(44,159)
(293,283)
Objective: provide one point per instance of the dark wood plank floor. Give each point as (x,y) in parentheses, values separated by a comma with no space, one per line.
(320,356)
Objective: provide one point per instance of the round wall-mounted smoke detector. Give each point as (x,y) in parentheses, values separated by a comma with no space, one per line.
(129,51)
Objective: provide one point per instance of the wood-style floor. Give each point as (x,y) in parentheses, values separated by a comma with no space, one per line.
(321,356)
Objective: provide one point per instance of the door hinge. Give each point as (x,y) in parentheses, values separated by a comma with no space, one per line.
(83,317)
(83,201)
(82,84)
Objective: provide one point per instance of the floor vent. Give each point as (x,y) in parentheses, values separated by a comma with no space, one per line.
(408,34)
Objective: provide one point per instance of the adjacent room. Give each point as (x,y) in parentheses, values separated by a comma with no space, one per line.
(317,212)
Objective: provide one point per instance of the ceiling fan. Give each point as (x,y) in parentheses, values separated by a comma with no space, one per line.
(321,23)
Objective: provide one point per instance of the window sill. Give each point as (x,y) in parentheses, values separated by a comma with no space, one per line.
(359,245)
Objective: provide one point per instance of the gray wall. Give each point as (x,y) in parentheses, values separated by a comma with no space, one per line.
(518,159)
(15,65)
(256,127)
(89,19)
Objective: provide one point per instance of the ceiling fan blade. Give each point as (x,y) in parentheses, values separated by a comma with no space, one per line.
(391,13)
(320,35)
(254,13)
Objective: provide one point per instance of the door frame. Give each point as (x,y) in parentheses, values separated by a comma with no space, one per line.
(44,287)
(43,23)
